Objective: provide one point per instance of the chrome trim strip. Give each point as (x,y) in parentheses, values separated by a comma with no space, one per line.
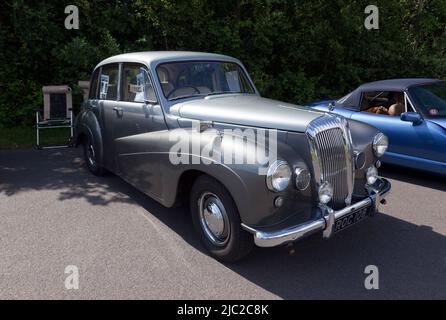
(407,99)
(324,223)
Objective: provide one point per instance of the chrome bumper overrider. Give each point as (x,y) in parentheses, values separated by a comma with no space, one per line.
(326,221)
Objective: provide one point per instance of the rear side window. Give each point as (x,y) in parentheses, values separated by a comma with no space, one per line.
(373,99)
(94,85)
(109,82)
(389,103)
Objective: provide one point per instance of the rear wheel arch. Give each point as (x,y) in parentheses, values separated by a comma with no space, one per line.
(81,139)
(90,128)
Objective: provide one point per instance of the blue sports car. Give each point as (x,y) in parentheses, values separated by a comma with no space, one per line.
(411,112)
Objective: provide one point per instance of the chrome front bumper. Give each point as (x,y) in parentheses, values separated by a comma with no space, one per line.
(326,221)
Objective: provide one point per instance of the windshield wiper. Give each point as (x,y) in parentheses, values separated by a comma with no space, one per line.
(205,94)
(221,92)
(186,96)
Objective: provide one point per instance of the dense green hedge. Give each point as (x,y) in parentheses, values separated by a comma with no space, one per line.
(296,51)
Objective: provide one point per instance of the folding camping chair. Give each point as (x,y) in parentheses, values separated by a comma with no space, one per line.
(57,112)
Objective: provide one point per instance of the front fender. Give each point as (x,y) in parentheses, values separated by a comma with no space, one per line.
(362,138)
(155,162)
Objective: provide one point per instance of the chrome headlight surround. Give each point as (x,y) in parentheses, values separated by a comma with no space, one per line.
(278,176)
(302,178)
(380,144)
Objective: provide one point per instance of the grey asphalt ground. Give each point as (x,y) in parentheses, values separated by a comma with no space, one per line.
(53,213)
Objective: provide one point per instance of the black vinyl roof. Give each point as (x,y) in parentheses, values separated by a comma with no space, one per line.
(353,98)
(397,84)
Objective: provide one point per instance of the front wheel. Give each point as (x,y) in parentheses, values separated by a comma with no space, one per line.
(91,158)
(217,221)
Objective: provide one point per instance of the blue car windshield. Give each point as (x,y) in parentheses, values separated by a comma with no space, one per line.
(431,99)
(202,78)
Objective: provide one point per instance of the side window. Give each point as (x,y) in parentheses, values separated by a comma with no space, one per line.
(235,78)
(94,85)
(389,103)
(136,85)
(374,99)
(109,82)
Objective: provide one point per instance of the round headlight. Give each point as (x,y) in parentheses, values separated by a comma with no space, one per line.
(278,176)
(325,192)
(380,144)
(371,175)
(303,178)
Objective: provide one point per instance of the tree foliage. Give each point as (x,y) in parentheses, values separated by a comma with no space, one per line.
(296,51)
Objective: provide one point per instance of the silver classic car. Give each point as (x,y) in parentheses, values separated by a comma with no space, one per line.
(187,127)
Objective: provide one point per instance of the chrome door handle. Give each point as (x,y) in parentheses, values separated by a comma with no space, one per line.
(119,111)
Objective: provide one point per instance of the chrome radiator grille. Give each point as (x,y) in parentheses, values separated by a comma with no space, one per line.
(331,150)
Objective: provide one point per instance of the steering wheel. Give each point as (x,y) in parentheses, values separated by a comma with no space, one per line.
(174,90)
(433,111)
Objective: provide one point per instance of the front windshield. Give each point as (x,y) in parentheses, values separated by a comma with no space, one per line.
(431,99)
(188,79)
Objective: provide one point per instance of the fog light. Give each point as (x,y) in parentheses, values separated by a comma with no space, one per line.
(278,202)
(325,192)
(303,178)
(372,175)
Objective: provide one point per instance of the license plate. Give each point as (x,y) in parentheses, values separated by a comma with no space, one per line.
(350,219)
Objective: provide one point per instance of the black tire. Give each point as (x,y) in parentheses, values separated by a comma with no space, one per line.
(238,243)
(91,158)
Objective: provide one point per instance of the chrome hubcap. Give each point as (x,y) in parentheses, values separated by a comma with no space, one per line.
(213,218)
(91,154)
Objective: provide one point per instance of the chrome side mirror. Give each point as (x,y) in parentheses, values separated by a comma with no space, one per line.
(413,117)
(150,102)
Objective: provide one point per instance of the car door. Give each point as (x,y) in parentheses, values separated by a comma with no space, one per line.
(137,118)
(433,136)
(107,103)
(92,103)
(137,110)
(406,139)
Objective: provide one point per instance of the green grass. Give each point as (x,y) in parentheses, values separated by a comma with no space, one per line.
(25,137)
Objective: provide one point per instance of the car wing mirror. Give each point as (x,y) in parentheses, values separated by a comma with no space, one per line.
(150,102)
(149,105)
(413,117)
